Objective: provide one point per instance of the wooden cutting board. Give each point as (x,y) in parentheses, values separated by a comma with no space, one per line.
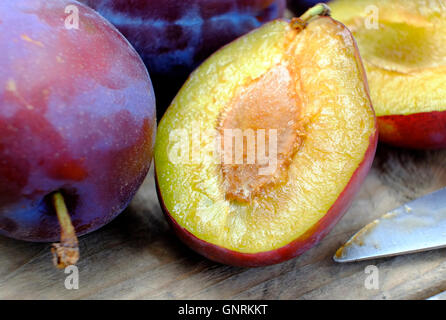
(138,257)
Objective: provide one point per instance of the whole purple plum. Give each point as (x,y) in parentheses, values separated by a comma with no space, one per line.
(173,37)
(77,118)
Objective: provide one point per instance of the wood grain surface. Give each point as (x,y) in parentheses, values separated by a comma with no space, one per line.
(138,257)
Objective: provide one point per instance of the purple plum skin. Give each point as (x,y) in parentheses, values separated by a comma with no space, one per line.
(77,115)
(173,37)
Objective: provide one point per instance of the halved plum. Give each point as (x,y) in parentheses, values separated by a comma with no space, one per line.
(403,45)
(297,96)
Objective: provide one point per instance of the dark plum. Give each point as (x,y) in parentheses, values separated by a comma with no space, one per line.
(77,119)
(173,37)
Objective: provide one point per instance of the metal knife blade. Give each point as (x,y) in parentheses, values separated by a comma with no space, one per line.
(419,225)
(440,296)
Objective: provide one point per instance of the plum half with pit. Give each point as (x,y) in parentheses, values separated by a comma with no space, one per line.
(296,91)
(173,37)
(77,122)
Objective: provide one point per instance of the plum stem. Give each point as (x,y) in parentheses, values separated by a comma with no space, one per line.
(66,252)
(321,9)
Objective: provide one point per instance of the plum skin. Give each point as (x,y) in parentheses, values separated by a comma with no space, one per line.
(173,37)
(77,115)
(424,130)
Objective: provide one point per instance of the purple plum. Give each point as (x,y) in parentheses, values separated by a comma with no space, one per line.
(77,117)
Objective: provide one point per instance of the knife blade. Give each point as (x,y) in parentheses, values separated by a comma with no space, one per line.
(419,225)
(440,296)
